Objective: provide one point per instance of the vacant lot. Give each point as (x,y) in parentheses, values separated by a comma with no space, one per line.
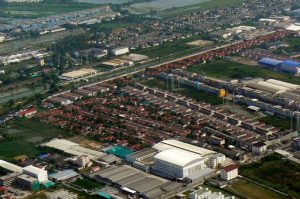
(188,92)
(227,70)
(23,137)
(275,172)
(252,191)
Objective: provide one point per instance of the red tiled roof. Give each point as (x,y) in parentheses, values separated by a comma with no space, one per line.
(27,111)
(230,168)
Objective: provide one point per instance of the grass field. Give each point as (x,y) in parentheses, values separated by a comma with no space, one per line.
(281,123)
(196,7)
(227,70)
(275,172)
(294,44)
(45,8)
(250,190)
(178,47)
(26,135)
(188,92)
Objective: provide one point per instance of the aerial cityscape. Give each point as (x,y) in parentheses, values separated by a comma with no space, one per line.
(149,99)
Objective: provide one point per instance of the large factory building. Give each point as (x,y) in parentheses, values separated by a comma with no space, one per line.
(175,163)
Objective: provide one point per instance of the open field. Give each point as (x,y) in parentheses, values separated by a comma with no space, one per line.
(250,190)
(188,92)
(294,44)
(286,178)
(227,70)
(282,123)
(178,47)
(45,8)
(26,134)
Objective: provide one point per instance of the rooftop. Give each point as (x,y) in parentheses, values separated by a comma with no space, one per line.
(178,157)
(230,168)
(169,144)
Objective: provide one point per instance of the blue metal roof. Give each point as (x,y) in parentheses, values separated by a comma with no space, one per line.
(291,63)
(270,62)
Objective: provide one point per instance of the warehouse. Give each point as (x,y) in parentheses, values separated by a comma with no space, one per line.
(284,84)
(84,72)
(290,67)
(10,167)
(115,63)
(135,57)
(40,174)
(134,181)
(72,148)
(267,87)
(170,144)
(63,176)
(177,164)
(120,51)
(270,62)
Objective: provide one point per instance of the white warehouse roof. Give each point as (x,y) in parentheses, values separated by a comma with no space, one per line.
(33,169)
(178,157)
(171,144)
(284,84)
(72,148)
(11,167)
(60,144)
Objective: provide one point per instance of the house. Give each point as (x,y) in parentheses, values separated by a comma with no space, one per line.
(27,113)
(259,148)
(229,172)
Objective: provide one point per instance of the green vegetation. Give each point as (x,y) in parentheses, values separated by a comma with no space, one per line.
(47,7)
(26,134)
(189,92)
(195,7)
(225,69)
(247,189)
(275,172)
(294,44)
(281,123)
(87,184)
(177,47)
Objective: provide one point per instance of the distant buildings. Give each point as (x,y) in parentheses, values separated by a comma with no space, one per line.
(229,172)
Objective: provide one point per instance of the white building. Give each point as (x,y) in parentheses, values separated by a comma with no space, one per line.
(40,174)
(177,164)
(120,51)
(229,172)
